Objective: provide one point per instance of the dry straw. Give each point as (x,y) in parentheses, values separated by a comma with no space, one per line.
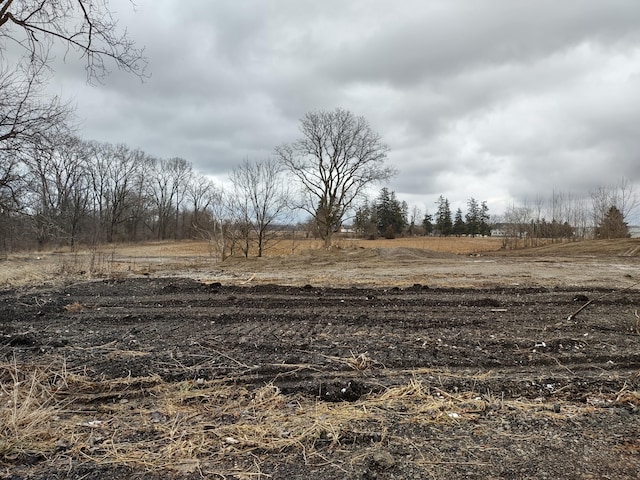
(47,412)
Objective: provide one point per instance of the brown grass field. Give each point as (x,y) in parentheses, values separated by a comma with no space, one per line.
(377,262)
(151,257)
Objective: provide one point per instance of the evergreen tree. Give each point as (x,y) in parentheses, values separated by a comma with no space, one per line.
(404,209)
(613,225)
(485,227)
(391,215)
(427,224)
(444,224)
(364,222)
(473,217)
(459,227)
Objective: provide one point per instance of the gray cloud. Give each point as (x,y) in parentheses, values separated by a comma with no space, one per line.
(495,99)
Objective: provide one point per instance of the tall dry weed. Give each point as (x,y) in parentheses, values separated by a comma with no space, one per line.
(27,409)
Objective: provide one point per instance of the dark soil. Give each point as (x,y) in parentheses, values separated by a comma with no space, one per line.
(576,377)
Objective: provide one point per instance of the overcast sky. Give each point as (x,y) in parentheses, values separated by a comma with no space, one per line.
(500,100)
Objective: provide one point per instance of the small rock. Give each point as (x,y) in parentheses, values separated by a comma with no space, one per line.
(157,417)
(62,445)
(382,460)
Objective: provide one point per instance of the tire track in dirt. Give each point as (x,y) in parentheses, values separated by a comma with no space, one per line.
(300,338)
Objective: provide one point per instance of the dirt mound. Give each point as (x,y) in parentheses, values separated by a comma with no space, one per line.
(411,254)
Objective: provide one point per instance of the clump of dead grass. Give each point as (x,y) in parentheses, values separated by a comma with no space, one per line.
(28,406)
(360,362)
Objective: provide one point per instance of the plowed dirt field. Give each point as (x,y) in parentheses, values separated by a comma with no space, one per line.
(203,376)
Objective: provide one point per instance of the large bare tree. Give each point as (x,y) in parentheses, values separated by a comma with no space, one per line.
(168,183)
(114,174)
(337,158)
(13,184)
(60,189)
(200,193)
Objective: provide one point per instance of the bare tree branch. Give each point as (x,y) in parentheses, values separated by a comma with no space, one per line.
(87,26)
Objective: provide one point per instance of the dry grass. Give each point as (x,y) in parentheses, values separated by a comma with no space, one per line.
(455,245)
(48,412)
(194,258)
(28,406)
(191,256)
(360,362)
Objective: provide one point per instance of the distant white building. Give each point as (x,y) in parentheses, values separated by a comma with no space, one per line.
(634,231)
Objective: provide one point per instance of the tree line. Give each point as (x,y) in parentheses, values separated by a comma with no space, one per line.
(566,217)
(67,191)
(72,192)
(388,217)
(562,217)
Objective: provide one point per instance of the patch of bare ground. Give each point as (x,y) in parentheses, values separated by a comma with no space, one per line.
(372,363)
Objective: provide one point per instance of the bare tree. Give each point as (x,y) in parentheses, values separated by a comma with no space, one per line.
(581,218)
(114,171)
(261,200)
(167,189)
(29,29)
(414,217)
(181,172)
(13,184)
(60,188)
(220,229)
(337,158)
(200,193)
(517,224)
(161,192)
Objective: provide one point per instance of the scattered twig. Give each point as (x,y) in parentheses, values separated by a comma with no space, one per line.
(210,349)
(574,314)
(433,462)
(327,462)
(106,346)
(358,362)
(560,364)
